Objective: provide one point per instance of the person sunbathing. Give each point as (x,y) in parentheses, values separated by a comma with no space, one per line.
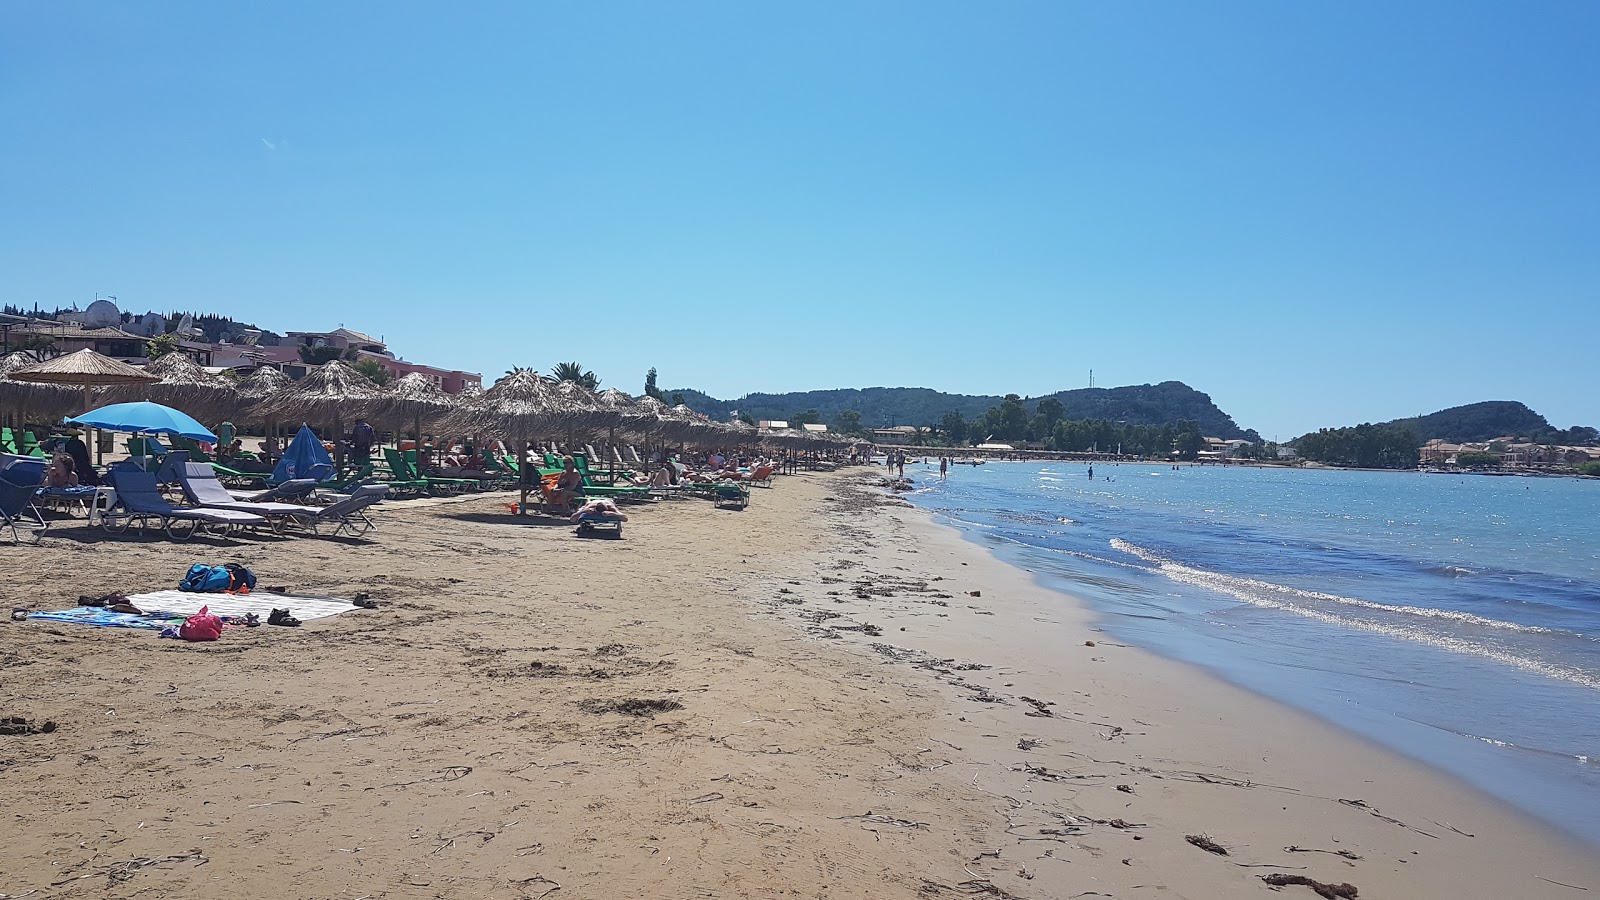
(62,472)
(600,508)
(567,486)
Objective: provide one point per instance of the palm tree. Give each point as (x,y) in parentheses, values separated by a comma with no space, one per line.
(571,371)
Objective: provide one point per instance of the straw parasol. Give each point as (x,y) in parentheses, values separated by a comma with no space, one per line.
(183,385)
(620,410)
(579,405)
(258,391)
(619,407)
(264,383)
(692,425)
(330,392)
(519,407)
(86,369)
(416,397)
(48,400)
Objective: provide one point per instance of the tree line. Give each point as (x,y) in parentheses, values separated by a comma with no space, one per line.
(1363,446)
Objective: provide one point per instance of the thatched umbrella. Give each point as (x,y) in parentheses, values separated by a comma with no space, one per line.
(258,391)
(694,425)
(621,411)
(48,400)
(416,397)
(520,406)
(582,410)
(332,391)
(184,385)
(86,369)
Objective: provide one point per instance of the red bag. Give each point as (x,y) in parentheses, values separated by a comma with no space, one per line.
(202,626)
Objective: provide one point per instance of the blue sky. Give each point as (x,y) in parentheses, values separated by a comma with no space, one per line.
(1319,213)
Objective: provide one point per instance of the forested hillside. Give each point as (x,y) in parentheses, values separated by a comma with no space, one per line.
(1486,421)
(1166,403)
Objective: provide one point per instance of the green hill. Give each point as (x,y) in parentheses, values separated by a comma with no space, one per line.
(1477,422)
(1145,404)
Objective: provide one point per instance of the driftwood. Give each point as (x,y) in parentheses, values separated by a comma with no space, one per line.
(1206,843)
(1344,891)
(879,819)
(124,870)
(1344,853)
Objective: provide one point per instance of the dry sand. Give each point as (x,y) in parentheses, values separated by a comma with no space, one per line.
(488,733)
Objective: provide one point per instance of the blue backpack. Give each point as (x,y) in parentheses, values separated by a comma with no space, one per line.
(226,579)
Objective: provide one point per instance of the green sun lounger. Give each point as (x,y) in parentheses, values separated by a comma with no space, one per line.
(406,471)
(592,488)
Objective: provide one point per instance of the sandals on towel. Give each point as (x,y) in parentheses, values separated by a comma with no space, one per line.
(282,617)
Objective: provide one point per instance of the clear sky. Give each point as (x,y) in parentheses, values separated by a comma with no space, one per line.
(1320,213)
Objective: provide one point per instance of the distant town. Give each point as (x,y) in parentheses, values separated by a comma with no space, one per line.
(106,329)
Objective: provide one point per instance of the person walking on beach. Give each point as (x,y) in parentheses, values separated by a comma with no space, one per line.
(361,439)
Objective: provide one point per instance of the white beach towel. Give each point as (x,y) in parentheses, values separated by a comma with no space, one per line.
(262,604)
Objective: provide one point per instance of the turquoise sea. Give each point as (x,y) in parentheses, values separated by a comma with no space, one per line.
(1454,618)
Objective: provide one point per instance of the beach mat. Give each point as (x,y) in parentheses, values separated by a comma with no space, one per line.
(105,618)
(170,608)
(184,603)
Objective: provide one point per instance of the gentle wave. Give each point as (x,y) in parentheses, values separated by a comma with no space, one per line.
(1452,615)
(1258,593)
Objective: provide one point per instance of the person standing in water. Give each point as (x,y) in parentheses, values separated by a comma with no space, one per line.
(1091,471)
(944,467)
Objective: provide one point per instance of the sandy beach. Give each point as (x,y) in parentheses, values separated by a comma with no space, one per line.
(825,695)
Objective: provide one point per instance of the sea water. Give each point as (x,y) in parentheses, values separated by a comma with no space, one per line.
(1454,618)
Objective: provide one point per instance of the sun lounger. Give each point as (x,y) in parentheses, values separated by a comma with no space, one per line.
(348,515)
(66,498)
(293,489)
(405,470)
(592,488)
(146,446)
(730,493)
(171,469)
(20,478)
(28,445)
(239,477)
(201,486)
(138,498)
(599,515)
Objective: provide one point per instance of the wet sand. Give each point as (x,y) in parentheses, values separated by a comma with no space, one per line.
(722,704)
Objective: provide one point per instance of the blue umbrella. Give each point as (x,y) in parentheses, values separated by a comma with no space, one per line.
(305,457)
(144,417)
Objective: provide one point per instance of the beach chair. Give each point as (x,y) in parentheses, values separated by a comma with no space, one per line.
(139,498)
(591,488)
(20,480)
(591,522)
(171,469)
(146,446)
(730,494)
(201,486)
(293,489)
(8,441)
(405,471)
(179,442)
(347,516)
(29,445)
